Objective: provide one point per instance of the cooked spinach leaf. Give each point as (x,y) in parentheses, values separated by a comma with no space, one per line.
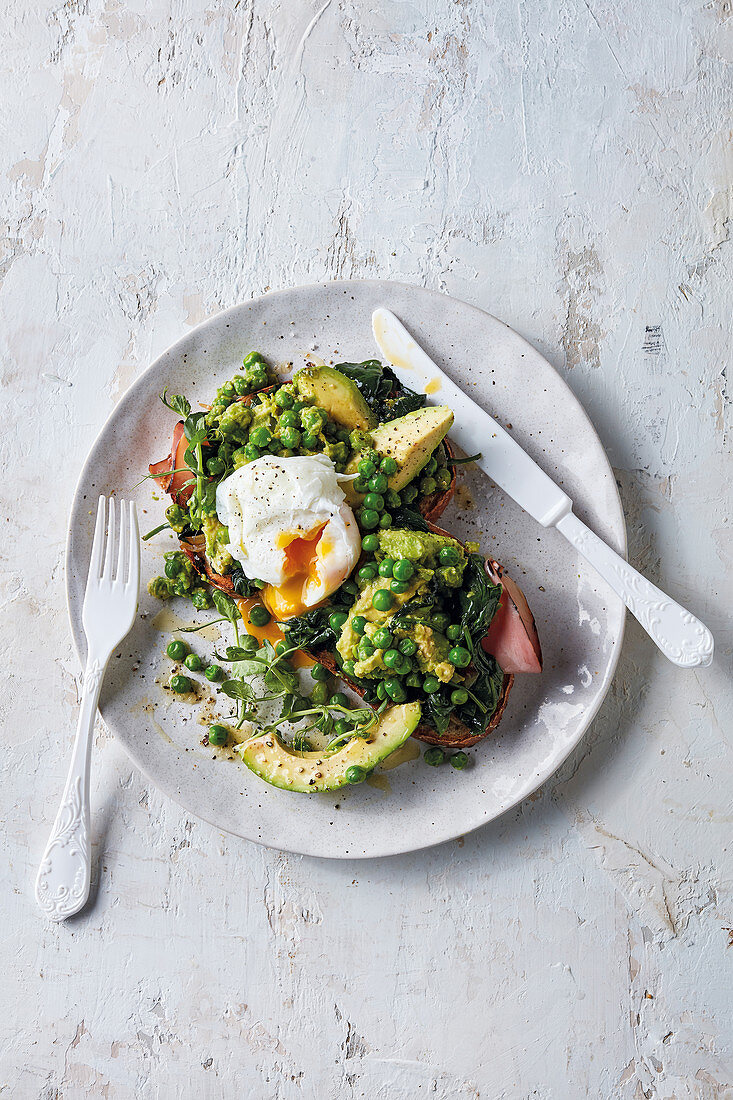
(381,389)
(312,630)
(478,599)
(437,710)
(483,692)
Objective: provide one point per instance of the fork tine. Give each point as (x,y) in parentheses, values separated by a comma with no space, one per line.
(95,562)
(109,553)
(124,540)
(134,548)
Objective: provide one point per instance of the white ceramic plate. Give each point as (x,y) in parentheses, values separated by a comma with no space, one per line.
(580,621)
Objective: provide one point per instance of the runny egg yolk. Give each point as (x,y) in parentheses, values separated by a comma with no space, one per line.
(302,558)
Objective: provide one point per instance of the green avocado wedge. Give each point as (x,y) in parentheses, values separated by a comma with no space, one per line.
(335,393)
(310,772)
(409,440)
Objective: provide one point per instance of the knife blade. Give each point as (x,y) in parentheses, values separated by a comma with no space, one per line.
(474,430)
(682,638)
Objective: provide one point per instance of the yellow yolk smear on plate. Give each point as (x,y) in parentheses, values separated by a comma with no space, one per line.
(271,633)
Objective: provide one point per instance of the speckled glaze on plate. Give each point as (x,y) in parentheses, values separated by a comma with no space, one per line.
(579,619)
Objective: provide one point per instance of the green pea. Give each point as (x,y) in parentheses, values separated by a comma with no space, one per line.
(172,568)
(459,761)
(434,756)
(320,694)
(349,669)
(382,638)
(342,727)
(403,570)
(405,666)
(428,485)
(365,649)
(459,657)
(392,658)
(351,588)
(218,735)
(381,690)
(214,673)
(227,389)
(375,501)
(259,615)
(291,438)
(338,700)
(382,599)
(309,441)
(366,468)
(444,478)
(318,672)
(431,684)
(392,499)
(288,419)
(200,599)
(181,684)
(454,633)
(193,662)
(388,465)
(250,452)
(252,359)
(395,689)
(430,466)
(413,680)
(399,586)
(177,649)
(409,493)
(366,574)
(215,466)
(408,647)
(368,519)
(386,566)
(378,483)
(355,774)
(337,620)
(459,696)
(360,485)
(370,543)
(385,520)
(358,624)
(283,399)
(449,556)
(260,436)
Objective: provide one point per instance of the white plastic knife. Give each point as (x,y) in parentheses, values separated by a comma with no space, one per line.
(680,636)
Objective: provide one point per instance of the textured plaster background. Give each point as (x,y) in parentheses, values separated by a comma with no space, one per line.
(565,164)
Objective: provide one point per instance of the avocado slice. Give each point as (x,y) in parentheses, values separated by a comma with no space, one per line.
(335,393)
(410,440)
(308,772)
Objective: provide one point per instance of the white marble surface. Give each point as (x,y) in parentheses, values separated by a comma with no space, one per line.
(565,165)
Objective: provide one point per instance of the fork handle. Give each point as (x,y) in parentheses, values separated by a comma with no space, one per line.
(680,636)
(62,885)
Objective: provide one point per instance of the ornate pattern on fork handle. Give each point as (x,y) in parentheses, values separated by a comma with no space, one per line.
(67,859)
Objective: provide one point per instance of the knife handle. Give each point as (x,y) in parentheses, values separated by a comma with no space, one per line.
(680,636)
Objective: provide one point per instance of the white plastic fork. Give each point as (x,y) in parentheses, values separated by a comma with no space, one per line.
(110,606)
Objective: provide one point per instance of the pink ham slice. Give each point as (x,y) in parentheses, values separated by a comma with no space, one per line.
(512,637)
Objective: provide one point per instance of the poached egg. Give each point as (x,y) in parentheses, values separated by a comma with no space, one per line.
(289,526)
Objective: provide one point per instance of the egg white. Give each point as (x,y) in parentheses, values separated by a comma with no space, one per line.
(289,526)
